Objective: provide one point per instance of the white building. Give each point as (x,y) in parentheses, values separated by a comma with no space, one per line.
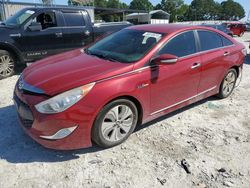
(153,17)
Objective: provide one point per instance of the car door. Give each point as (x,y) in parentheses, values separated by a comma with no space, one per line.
(212,59)
(44,42)
(76,31)
(175,83)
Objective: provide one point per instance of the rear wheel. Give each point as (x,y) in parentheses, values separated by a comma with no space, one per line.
(115,122)
(7,64)
(228,84)
(241,34)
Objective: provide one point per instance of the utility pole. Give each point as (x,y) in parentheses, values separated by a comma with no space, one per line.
(248,17)
(4,13)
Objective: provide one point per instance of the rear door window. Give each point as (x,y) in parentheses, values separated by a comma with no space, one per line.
(226,42)
(181,45)
(209,40)
(73,19)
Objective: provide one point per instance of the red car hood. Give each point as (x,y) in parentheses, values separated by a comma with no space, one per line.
(72,69)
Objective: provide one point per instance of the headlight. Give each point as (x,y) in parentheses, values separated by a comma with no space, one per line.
(63,101)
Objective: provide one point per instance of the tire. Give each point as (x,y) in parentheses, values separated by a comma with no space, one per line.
(228,84)
(241,34)
(108,131)
(7,64)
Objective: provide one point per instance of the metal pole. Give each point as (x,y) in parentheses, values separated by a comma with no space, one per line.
(4,14)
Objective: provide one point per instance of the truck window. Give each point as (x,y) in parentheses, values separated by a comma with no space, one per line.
(19,18)
(73,19)
(47,20)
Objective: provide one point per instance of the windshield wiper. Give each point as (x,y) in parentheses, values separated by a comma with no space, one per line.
(100,55)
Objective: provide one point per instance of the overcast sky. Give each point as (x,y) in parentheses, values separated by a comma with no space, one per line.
(244,3)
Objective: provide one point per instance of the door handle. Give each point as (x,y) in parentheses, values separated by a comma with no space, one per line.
(195,65)
(226,53)
(58,35)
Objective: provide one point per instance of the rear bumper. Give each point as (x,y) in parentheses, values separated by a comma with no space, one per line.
(42,127)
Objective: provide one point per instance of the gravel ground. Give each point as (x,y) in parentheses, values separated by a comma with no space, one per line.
(213,136)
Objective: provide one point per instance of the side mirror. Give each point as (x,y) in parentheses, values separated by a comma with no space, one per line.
(165,59)
(35,26)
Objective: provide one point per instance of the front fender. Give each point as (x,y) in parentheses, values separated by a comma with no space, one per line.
(11,48)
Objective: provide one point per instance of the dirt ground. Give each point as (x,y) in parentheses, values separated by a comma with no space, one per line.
(213,136)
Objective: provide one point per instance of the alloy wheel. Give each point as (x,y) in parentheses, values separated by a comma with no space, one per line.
(228,83)
(6,65)
(117,123)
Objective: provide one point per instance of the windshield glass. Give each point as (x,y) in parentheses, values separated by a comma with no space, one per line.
(19,18)
(125,46)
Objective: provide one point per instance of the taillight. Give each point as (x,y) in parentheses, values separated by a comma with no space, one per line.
(244,51)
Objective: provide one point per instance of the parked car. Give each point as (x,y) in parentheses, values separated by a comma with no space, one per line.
(35,33)
(102,93)
(247,26)
(220,27)
(237,28)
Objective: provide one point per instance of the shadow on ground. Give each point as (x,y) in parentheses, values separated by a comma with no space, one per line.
(175,113)
(17,147)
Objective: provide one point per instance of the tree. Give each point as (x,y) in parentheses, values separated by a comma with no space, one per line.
(141,5)
(173,7)
(180,13)
(203,10)
(100,3)
(231,10)
(124,6)
(80,2)
(47,2)
(113,4)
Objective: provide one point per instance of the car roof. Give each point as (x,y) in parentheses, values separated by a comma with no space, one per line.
(168,28)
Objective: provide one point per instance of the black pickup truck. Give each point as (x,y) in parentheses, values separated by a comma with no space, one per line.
(35,33)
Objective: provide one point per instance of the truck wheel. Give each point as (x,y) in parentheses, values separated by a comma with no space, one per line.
(228,83)
(7,64)
(115,122)
(241,34)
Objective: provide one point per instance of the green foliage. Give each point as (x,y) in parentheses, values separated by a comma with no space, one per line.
(231,10)
(211,10)
(173,7)
(113,4)
(47,2)
(141,5)
(100,3)
(203,10)
(180,16)
(79,3)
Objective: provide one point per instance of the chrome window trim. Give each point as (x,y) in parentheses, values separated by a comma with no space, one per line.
(206,51)
(217,34)
(198,52)
(185,100)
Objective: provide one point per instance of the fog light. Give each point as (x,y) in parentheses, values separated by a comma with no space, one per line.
(60,134)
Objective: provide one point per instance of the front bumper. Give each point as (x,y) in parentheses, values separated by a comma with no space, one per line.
(43,127)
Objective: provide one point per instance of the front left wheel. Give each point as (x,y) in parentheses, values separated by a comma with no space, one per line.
(115,122)
(7,64)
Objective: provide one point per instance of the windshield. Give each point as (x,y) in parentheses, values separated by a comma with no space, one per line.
(125,46)
(19,18)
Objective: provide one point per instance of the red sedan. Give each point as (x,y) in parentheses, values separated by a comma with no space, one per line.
(100,94)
